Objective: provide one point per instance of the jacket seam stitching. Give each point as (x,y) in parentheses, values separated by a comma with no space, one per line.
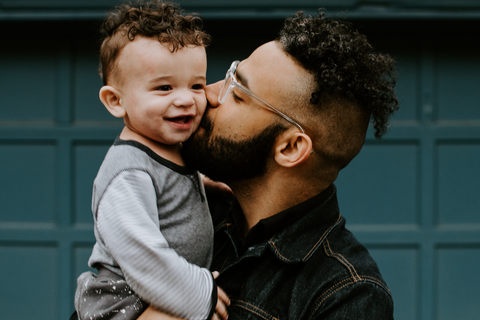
(256,312)
(323,235)
(376,281)
(328,294)
(329,252)
(221,225)
(314,246)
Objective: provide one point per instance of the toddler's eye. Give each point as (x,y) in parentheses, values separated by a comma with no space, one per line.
(197,87)
(164,88)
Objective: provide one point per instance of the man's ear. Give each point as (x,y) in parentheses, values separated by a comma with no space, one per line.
(293,148)
(110,98)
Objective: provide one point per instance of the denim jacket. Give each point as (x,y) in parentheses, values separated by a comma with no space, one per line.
(312,269)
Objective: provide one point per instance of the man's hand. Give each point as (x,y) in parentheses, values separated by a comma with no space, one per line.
(223,302)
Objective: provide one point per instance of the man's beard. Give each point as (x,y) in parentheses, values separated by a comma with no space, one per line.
(225,160)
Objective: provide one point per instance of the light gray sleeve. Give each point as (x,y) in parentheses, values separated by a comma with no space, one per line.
(128,223)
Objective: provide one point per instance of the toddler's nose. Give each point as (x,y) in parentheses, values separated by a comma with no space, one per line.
(184,100)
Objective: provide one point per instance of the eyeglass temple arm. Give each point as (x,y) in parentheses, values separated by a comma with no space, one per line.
(275,110)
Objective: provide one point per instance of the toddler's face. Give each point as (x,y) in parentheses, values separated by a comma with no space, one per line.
(163,93)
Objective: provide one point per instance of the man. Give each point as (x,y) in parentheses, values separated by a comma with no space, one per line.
(279,129)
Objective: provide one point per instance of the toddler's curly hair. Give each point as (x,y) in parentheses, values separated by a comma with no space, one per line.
(162,20)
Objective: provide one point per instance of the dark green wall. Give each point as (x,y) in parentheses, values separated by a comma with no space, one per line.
(412,198)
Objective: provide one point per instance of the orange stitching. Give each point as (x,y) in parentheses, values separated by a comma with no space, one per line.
(346,261)
(258,314)
(377,282)
(338,283)
(330,253)
(316,307)
(255,308)
(326,291)
(371,279)
(316,244)
(341,259)
(343,286)
(273,243)
(319,240)
(221,224)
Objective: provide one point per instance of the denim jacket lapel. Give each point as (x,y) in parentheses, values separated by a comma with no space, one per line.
(298,242)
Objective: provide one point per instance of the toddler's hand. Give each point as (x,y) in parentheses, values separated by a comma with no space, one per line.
(223,302)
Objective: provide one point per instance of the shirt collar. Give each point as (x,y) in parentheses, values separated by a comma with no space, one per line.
(292,234)
(268,227)
(301,240)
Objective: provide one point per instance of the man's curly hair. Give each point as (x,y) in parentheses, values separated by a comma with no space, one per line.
(162,20)
(344,65)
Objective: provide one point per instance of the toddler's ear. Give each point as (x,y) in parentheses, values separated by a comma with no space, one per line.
(110,98)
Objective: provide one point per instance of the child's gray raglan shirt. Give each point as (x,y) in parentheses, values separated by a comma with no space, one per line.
(153,227)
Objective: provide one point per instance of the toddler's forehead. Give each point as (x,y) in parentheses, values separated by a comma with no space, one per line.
(146,58)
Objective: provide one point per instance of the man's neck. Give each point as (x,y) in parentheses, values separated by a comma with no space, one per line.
(264,197)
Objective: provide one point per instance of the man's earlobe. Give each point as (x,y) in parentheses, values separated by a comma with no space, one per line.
(293,149)
(110,98)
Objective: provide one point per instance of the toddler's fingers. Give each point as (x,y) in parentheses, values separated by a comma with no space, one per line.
(222,296)
(222,303)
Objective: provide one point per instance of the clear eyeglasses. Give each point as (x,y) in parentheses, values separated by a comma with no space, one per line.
(231,82)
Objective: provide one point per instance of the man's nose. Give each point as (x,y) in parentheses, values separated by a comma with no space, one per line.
(212,91)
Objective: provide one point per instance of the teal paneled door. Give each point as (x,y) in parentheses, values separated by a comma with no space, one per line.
(53,136)
(412,198)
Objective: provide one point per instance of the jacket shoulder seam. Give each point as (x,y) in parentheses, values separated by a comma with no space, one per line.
(344,283)
(322,238)
(329,252)
(239,303)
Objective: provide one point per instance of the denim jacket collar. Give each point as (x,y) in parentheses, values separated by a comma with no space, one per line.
(300,240)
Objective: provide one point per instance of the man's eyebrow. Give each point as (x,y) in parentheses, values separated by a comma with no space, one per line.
(242,79)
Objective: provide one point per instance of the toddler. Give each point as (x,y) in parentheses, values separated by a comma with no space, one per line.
(154,235)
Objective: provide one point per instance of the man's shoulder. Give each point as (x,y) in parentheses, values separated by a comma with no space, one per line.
(349,256)
(316,260)
(350,278)
(350,299)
